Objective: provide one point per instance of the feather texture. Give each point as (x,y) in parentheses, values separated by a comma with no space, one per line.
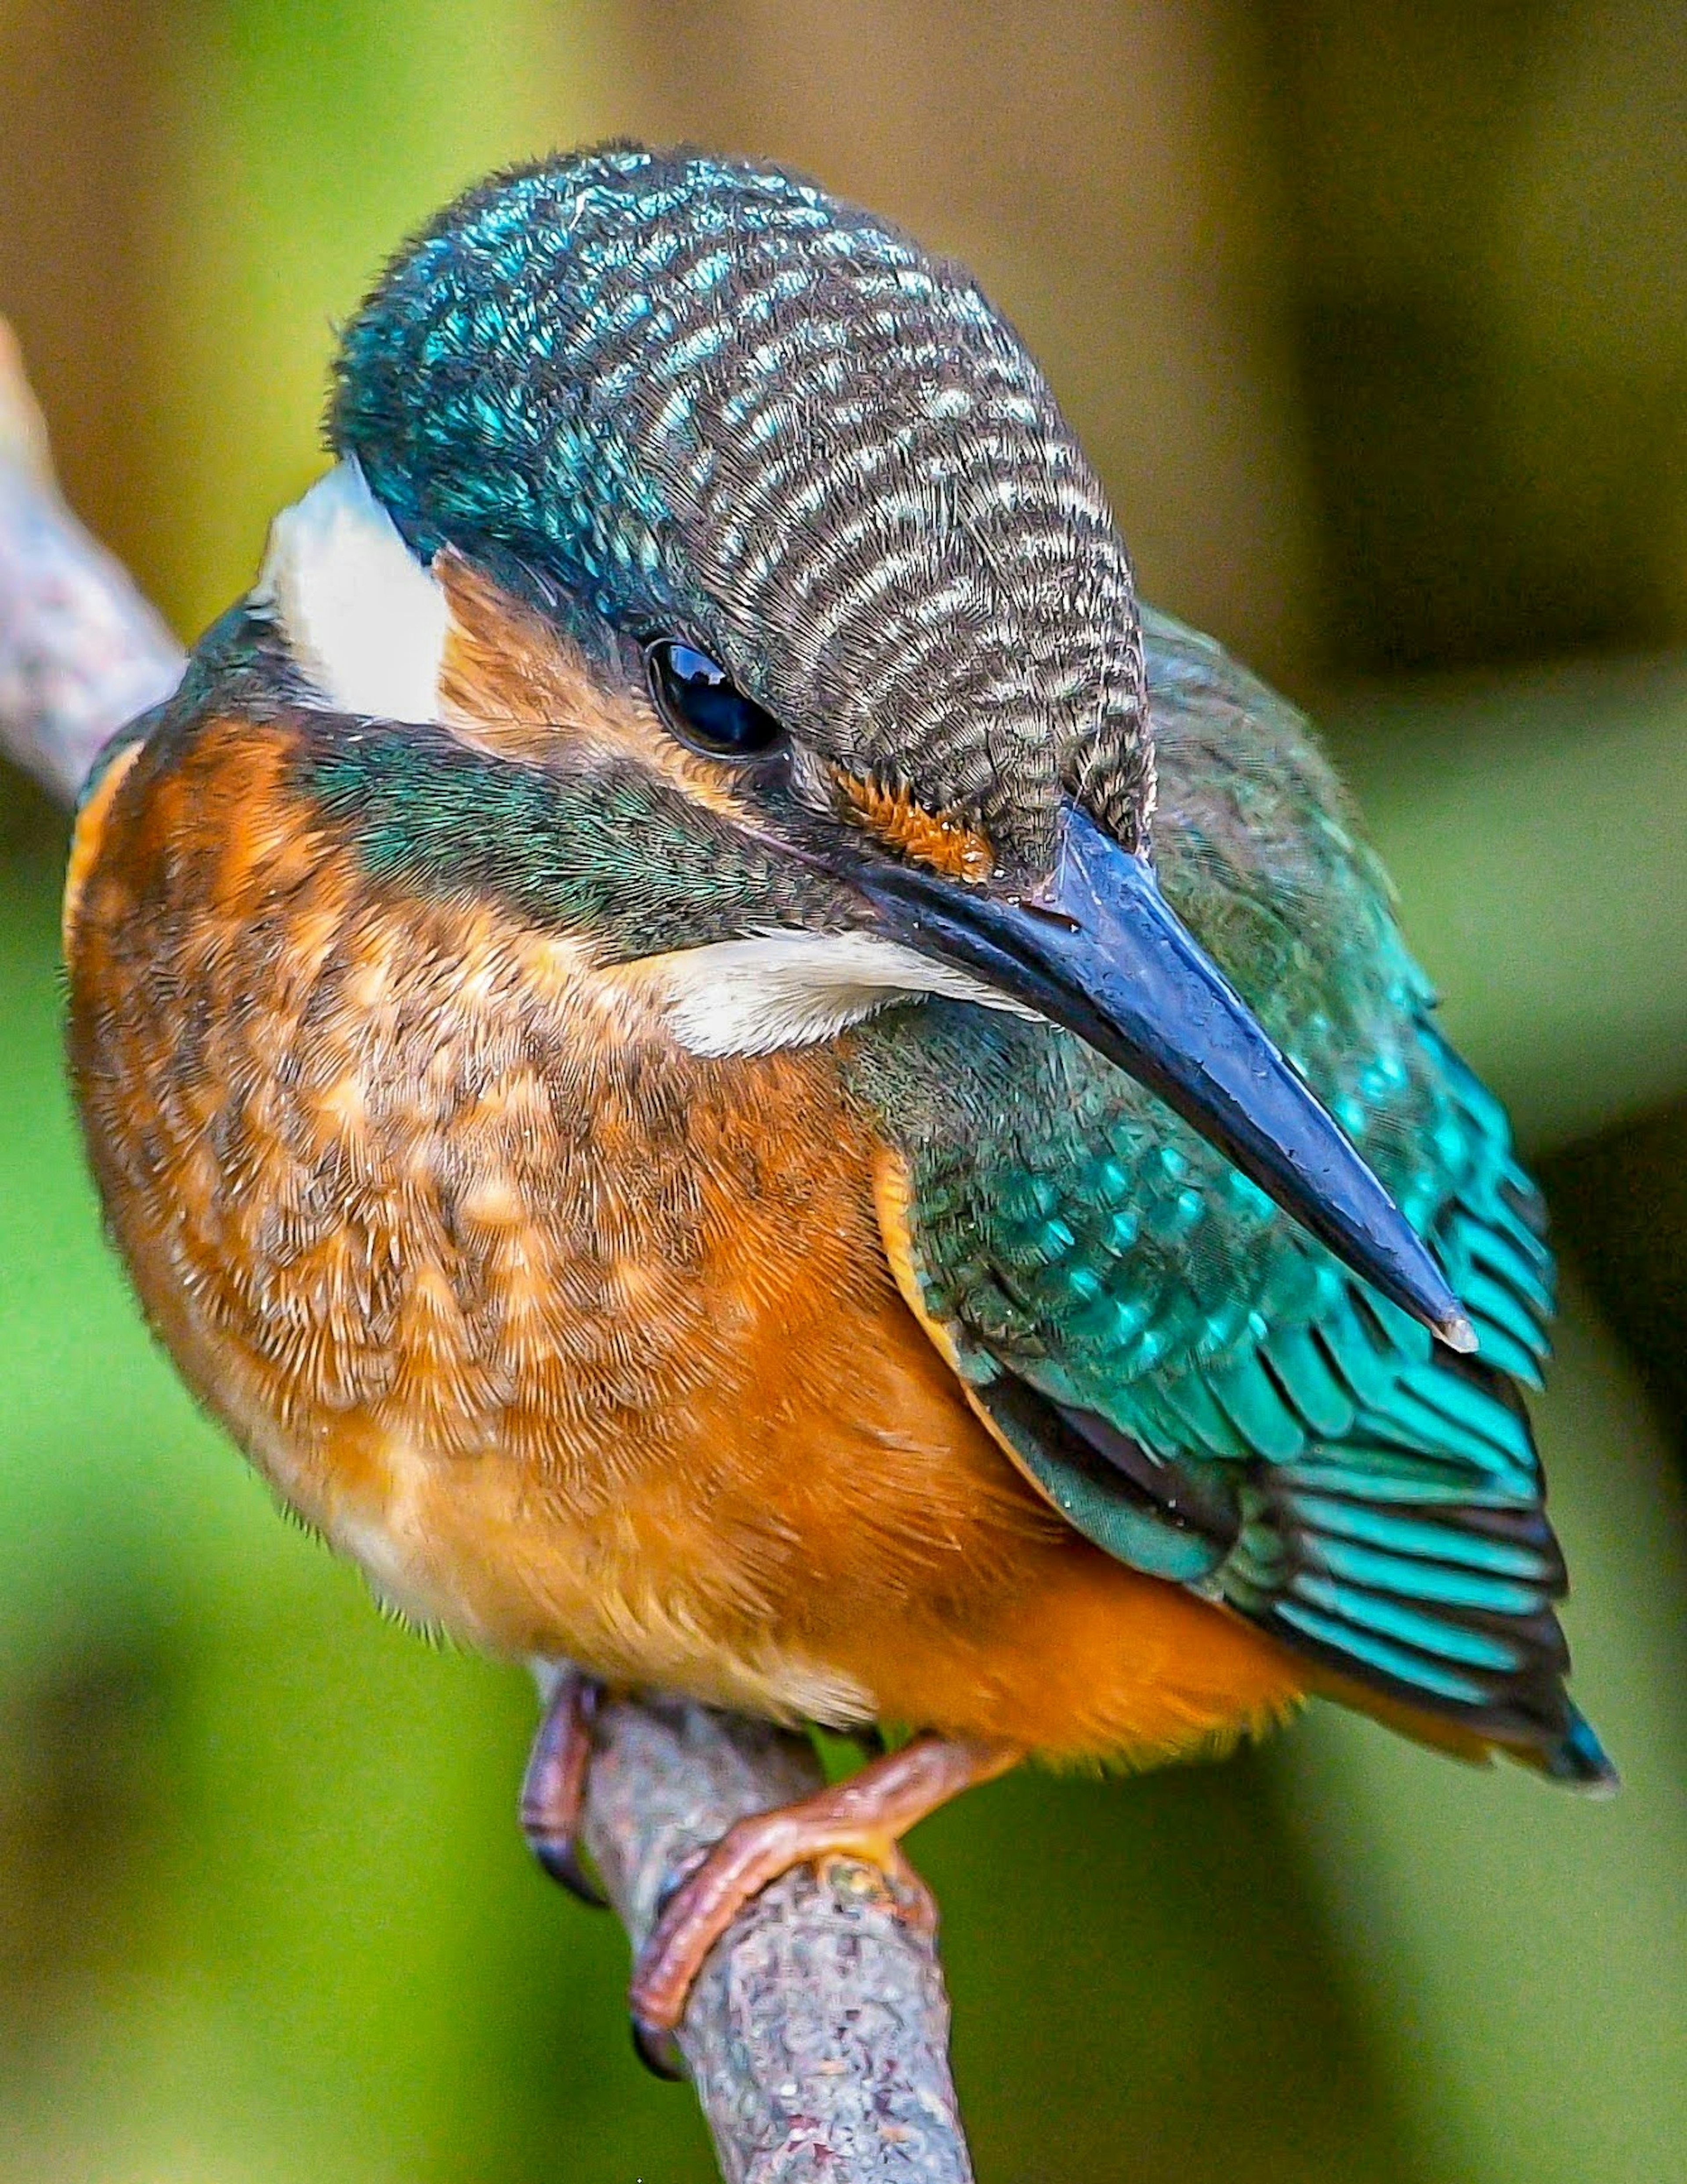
(454,1171)
(1189,1377)
(672,391)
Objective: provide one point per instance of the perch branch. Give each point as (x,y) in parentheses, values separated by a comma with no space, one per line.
(80,650)
(817,2035)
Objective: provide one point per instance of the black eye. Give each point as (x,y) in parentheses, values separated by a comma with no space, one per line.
(699,702)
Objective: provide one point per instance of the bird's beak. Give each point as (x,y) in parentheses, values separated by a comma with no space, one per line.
(1102,953)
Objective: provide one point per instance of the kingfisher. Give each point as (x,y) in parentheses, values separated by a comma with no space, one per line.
(739,1075)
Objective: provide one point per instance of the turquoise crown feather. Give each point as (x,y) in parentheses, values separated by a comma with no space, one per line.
(680,392)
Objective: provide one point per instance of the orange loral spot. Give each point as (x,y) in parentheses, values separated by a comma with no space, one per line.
(942,839)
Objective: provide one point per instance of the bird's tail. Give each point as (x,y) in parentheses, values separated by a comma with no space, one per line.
(1414,1563)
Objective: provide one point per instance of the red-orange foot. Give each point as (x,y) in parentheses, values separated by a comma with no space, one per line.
(554,1788)
(862,1818)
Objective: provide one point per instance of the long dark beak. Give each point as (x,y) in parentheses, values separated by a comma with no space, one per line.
(1108,958)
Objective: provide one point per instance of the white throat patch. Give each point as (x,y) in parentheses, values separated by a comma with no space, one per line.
(364,621)
(784,988)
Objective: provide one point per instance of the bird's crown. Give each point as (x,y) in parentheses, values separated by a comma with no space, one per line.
(680,394)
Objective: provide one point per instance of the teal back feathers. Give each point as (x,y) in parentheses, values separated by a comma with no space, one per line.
(665,398)
(1197,1383)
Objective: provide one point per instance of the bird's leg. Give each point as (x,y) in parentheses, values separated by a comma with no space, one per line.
(861,1818)
(553,1787)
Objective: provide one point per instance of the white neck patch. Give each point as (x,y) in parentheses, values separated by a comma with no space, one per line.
(784,988)
(364,621)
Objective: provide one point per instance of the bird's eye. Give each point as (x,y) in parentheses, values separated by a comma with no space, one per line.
(697,700)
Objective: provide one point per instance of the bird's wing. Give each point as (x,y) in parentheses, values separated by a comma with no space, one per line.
(1195,1382)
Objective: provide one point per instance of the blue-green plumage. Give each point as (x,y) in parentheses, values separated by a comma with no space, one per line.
(669,391)
(662,399)
(1199,1386)
(712,643)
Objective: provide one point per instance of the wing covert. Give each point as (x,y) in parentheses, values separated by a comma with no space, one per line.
(1195,1382)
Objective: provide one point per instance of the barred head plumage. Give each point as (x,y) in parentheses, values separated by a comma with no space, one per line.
(703,396)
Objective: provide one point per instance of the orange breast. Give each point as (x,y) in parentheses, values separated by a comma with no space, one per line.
(581,1344)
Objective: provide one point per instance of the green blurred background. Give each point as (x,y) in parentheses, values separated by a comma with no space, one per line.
(1375,319)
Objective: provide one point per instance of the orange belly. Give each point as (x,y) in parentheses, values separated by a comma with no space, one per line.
(581,1345)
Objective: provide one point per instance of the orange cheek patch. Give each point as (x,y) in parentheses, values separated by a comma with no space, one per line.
(512,683)
(944,840)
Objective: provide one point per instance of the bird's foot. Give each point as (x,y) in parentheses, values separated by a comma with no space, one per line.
(554,1788)
(859,1818)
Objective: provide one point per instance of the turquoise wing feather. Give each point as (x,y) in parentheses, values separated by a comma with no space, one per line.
(1195,1382)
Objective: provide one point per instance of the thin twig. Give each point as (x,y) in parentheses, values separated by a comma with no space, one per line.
(80,650)
(817,2035)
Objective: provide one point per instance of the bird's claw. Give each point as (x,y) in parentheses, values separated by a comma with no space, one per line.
(657,2049)
(563,1863)
(554,1788)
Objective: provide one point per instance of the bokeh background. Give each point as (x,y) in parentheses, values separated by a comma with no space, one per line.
(1375,319)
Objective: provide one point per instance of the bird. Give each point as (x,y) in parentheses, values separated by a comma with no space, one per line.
(740,1075)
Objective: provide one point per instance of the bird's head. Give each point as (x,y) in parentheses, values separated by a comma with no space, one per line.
(752,531)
